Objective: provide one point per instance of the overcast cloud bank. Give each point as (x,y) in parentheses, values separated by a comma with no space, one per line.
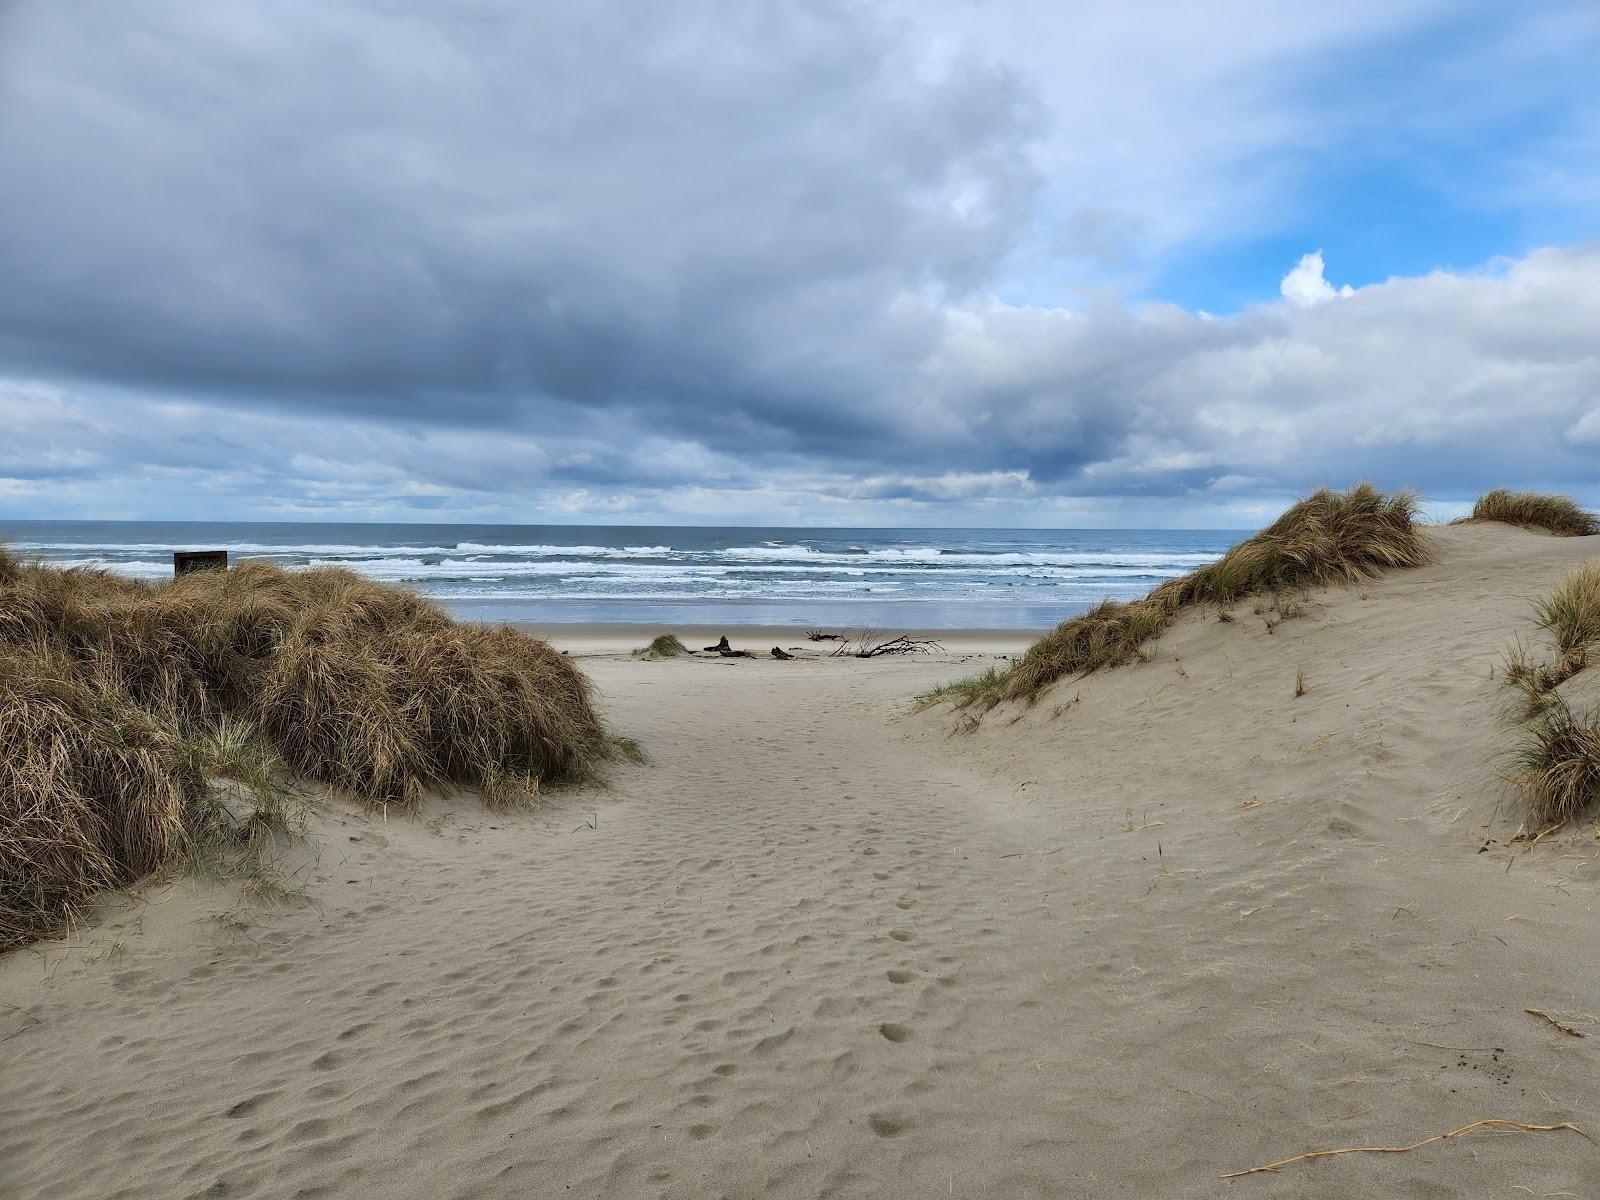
(799,266)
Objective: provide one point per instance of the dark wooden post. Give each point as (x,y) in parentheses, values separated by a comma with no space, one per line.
(184,561)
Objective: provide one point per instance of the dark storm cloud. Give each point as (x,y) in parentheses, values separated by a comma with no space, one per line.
(455,213)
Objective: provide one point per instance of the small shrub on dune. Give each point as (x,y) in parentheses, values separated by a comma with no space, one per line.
(666,645)
(1560,515)
(119,697)
(1329,537)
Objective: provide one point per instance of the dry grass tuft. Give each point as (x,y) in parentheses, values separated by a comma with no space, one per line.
(120,700)
(974,689)
(93,793)
(1106,636)
(1558,763)
(1329,537)
(1571,614)
(666,645)
(1533,510)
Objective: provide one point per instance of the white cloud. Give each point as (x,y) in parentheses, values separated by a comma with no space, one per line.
(1306,285)
(1586,430)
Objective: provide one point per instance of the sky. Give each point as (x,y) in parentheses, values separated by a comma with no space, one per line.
(950,262)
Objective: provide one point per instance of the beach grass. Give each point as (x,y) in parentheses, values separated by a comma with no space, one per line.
(1556,759)
(664,645)
(1557,763)
(1329,537)
(1560,515)
(123,704)
(1571,614)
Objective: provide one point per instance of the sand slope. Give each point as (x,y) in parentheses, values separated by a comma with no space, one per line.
(822,948)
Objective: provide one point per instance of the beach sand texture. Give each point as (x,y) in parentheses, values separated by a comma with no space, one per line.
(1172,922)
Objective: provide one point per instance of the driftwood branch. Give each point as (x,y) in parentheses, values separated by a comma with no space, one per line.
(816,635)
(780,652)
(871,643)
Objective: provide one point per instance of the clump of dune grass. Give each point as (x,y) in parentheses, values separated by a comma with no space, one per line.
(1557,758)
(129,710)
(1533,680)
(1329,537)
(961,692)
(1560,515)
(1557,763)
(1106,636)
(666,645)
(1571,614)
(93,793)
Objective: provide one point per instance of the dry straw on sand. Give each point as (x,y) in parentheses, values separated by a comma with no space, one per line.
(1329,537)
(118,698)
(1491,1123)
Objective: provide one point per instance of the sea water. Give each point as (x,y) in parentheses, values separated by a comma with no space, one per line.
(643,574)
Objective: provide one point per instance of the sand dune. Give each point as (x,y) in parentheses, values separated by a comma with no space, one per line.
(1170,923)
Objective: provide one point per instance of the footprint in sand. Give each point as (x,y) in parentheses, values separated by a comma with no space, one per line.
(894,1032)
(886,1126)
(245,1107)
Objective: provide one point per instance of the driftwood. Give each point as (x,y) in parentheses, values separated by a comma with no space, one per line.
(780,652)
(816,635)
(869,643)
(726,651)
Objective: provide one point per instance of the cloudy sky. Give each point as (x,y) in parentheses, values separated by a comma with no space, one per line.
(972,262)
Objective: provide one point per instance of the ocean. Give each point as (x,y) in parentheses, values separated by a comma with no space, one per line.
(641,574)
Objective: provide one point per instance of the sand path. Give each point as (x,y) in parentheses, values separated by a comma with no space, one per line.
(817,949)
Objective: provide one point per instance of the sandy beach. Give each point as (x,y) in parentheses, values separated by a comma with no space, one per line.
(1170,923)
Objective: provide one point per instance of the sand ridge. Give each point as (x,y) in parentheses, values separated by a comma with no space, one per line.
(1170,923)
